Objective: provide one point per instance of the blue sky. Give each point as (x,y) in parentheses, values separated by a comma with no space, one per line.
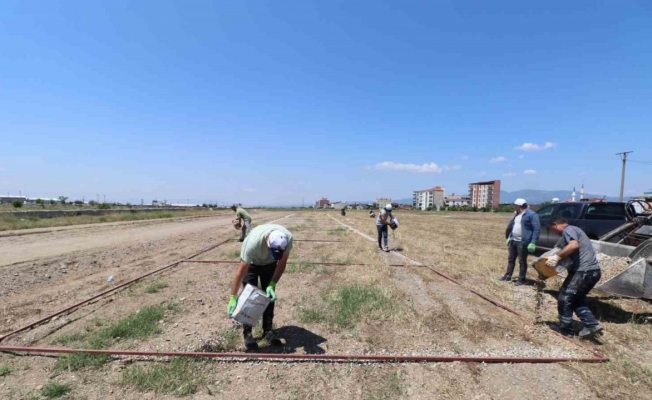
(277,102)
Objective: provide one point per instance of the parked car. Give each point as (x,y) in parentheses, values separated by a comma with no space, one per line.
(595,219)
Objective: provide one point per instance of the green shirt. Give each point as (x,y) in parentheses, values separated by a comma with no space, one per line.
(254,249)
(241,213)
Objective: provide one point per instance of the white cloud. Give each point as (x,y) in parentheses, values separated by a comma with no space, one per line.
(521,156)
(481,173)
(452,168)
(465,158)
(249,190)
(510,174)
(535,147)
(423,168)
(530,172)
(498,159)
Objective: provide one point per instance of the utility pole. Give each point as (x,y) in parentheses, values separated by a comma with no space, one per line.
(623,156)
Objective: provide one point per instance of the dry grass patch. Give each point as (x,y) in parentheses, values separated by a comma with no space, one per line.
(54,390)
(4,370)
(180,377)
(156,287)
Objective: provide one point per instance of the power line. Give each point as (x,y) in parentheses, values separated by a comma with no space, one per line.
(640,162)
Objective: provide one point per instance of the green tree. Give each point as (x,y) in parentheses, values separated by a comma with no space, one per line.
(17,204)
(62,199)
(92,203)
(40,202)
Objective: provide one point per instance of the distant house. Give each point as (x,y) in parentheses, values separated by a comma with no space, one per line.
(457,200)
(428,198)
(383,201)
(322,203)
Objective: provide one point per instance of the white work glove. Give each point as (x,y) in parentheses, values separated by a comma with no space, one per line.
(553,261)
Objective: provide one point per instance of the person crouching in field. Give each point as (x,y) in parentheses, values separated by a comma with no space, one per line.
(263,257)
(244,218)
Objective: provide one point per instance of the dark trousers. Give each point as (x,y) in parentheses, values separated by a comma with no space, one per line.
(572,297)
(517,250)
(265,273)
(382,234)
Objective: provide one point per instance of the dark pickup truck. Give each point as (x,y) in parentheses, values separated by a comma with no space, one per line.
(595,219)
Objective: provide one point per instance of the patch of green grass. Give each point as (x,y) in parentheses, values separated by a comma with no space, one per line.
(52,390)
(156,287)
(391,387)
(67,339)
(138,325)
(233,255)
(348,305)
(179,376)
(336,231)
(296,268)
(226,339)
(5,370)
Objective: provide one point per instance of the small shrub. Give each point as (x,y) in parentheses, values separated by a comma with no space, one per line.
(17,204)
(104,206)
(156,287)
(4,370)
(52,390)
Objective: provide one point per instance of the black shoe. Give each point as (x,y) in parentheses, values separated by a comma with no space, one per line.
(505,278)
(590,332)
(519,283)
(271,337)
(250,342)
(564,331)
(240,240)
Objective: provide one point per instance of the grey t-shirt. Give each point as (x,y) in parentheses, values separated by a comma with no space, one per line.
(583,258)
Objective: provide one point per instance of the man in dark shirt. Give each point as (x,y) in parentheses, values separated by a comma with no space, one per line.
(583,274)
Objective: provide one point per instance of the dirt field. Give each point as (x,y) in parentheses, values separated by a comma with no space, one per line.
(371,309)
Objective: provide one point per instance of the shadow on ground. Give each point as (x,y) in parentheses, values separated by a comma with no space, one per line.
(295,338)
(609,312)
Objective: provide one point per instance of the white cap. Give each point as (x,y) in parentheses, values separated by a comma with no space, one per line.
(388,207)
(276,242)
(520,202)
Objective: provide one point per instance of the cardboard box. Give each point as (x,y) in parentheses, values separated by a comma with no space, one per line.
(251,305)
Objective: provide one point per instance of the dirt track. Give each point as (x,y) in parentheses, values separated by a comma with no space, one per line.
(46,271)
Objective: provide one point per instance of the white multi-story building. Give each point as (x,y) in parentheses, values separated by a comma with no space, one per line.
(485,194)
(428,198)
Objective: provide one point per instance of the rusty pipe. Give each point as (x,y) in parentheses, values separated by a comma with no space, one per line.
(305,357)
(307,263)
(81,303)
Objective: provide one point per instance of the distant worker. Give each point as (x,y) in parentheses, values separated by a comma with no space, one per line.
(263,256)
(522,234)
(244,218)
(372,214)
(382,222)
(343,212)
(583,274)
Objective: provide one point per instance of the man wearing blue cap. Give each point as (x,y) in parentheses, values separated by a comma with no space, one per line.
(263,256)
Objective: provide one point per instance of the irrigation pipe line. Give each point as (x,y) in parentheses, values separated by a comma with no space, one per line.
(305,357)
(116,288)
(496,303)
(113,289)
(306,263)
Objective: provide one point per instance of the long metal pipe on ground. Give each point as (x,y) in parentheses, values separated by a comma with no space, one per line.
(306,263)
(305,357)
(104,293)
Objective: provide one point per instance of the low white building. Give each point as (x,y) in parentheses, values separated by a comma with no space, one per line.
(428,198)
(383,201)
(457,200)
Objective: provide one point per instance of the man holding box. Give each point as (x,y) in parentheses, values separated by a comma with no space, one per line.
(263,256)
(583,274)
